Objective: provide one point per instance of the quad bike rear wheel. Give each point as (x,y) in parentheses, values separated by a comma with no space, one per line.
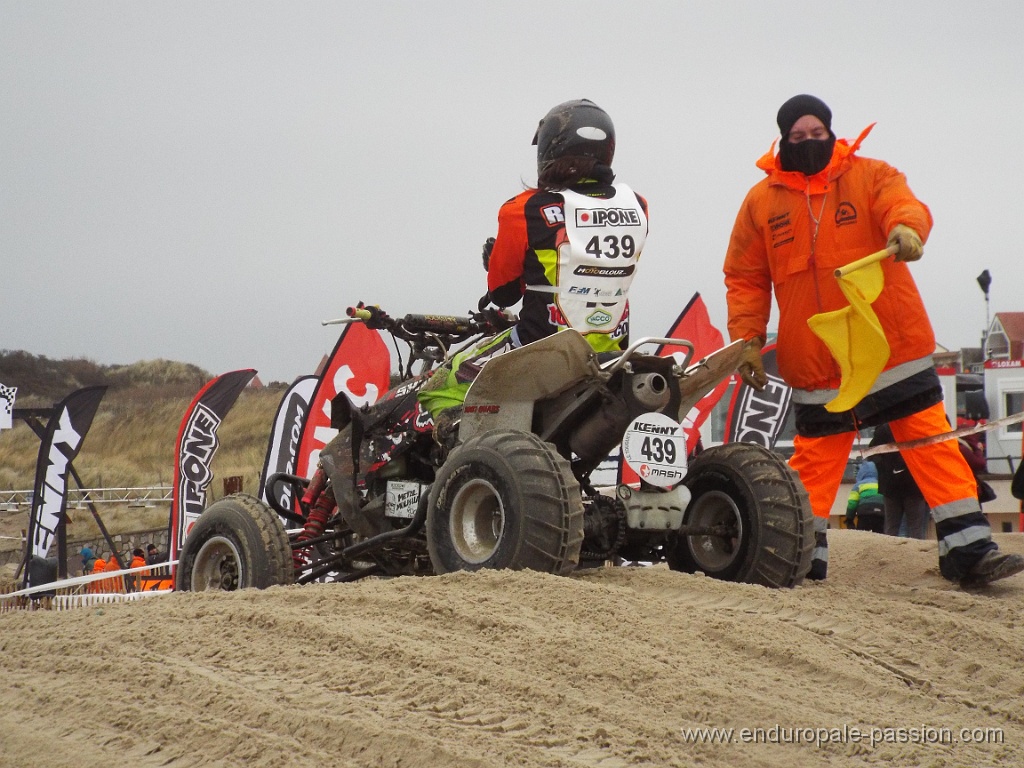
(237,543)
(505,499)
(762,510)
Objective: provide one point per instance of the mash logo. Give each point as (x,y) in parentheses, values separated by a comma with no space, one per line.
(607,217)
(599,318)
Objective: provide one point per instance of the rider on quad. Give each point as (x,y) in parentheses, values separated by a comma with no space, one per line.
(567,248)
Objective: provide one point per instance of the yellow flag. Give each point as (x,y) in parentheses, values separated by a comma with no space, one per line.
(854,336)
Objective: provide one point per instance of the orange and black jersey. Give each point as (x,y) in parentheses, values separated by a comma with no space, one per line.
(531,227)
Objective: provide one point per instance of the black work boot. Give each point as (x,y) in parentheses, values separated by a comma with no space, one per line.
(819,570)
(819,557)
(992,566)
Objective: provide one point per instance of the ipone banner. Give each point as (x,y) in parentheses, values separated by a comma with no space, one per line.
(197,444)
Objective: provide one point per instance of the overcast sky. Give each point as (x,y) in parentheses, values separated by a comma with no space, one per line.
(207,181)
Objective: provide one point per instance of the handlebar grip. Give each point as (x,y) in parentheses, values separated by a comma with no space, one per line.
(439,324)
(359,313)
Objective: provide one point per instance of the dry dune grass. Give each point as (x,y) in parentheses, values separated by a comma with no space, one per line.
(132,439)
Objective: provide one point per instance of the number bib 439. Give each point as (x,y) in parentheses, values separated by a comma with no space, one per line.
(654,447)
(596,264)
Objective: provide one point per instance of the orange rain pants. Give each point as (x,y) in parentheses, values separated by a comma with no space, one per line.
(940,471)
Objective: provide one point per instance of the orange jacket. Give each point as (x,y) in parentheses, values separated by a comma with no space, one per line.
(857,202)
(115,584)
(136,578)
(98,567)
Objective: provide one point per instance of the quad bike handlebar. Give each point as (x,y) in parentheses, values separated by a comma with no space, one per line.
(442,330)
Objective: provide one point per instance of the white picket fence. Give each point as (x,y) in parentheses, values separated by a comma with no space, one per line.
(73,593)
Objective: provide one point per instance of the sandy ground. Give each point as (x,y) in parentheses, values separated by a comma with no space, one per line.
(608,668)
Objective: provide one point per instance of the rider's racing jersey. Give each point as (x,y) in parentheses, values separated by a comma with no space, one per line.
(570,256)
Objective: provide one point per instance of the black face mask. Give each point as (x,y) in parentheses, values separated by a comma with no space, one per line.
(808,157)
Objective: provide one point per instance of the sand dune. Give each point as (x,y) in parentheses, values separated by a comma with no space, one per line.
(607,668)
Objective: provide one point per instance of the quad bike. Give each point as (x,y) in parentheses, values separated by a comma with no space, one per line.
(505,481)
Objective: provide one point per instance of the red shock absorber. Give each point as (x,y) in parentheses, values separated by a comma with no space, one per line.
(315,488)
(315,524)
(318,516)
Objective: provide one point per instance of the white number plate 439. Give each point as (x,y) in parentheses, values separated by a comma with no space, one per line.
(654,447)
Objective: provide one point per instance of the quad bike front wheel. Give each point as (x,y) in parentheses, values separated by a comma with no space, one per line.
(237,543)
(759,512)
(505,499)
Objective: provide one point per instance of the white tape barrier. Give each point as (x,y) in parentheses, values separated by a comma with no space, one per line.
(78,581)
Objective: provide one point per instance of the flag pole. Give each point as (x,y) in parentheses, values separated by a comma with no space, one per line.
(853,266)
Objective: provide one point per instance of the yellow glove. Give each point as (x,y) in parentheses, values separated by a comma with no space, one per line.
(908,241)
(751,368)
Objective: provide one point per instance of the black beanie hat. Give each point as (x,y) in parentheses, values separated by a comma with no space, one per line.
(801,105)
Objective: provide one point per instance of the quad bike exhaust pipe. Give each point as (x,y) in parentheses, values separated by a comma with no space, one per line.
(649,391)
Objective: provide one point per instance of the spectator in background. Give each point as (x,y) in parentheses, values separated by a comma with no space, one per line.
(973,451)
(138,561)
(865,507)
(138,558)
(153,555)
(99,565)
(88,559)
(905,507)
(113,584)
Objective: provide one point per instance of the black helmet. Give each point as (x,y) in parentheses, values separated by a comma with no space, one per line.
(575,128)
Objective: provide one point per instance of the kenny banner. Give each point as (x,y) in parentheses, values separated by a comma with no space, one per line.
(61,441)
(359,366)
(283,449)
(197,444)
(758,417)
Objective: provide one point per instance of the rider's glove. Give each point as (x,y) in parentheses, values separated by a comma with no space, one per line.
(488,247)
(909,242)
(484,301)
(751,368)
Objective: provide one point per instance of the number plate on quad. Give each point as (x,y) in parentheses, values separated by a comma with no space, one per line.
(654,446)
